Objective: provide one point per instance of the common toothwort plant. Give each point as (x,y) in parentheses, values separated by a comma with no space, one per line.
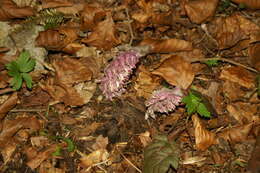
(118,73)
(164,100)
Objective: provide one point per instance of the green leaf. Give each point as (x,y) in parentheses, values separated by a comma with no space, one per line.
(160,155)
(28,80)
(13,68)
(211,63)
(202,110)
(194,104)
(57,151)
(25,63)
(70,144)
(16,82)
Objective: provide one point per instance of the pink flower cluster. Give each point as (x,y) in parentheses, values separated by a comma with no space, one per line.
(164,100)
(117,73)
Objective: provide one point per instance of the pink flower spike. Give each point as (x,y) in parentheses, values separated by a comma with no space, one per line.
(164,100)
(117,73)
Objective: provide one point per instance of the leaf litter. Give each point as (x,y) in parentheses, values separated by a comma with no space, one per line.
(129,86)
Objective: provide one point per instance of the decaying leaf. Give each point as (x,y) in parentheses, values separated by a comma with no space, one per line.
(233,91)
(236,134)
(203,137)
(101,143)
(145,138)
(238,75)
(57,39)
(176,71)
(160,155)
(8,105)
(94,157)
(9,10)
(55,3)
(255,4)
(103,38)
(145,83)
(167,45)
(200,10)
(91,15)
(230,30)
(254,55)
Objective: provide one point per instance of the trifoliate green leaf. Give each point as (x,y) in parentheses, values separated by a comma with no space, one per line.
(160,155)
(28,80)
(194,104)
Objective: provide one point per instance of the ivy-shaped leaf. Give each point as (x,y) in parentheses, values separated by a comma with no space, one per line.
(160,155)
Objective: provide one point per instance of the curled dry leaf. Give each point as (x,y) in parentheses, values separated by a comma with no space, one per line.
(145,83)
(8,105)
(94,157)
(255,4)
(10,127)
(9,10)
(91,15)
(167,45)
(203,137)
(200,10)
(236,134)
(176,71)
(254,52)
(238,75)
(57,39)
(230,30)
(242,112)
(103,38)
(233,91)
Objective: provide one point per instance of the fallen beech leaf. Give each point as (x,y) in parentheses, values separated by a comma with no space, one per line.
(57,39)
(242,112)
(8,105)
(72,10)
(40,157)
(145,138)
(72,48)
(8,151)
(145,83)
(91,15)
(255,4)
(9,10)
(238,75)
(86,90)
(94,157)
(10,127)
(103,38)
(203,137)
(101,143)
(71,71)
(176,71)
(254,52)
(233,91)
(200,10)
(55,3)
(236,134)
(48,167)
(167,45)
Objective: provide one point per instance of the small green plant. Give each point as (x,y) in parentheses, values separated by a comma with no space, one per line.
(211,63)
(195,104)
(224,5)
(19,70)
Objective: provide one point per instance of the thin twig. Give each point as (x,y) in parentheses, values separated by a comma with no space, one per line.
(129,26)
(129,161)
(6,90)
(226,60)
(28,110)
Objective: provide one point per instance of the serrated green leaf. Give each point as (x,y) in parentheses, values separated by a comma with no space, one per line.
(57,151)
(160,155)
(202,110)
(16,82)
(25,63)
(13,68)
(28,80)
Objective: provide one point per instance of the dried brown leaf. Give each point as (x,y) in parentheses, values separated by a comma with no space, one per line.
(238,75)
(94,157)
(9,10)
(167,45)
(55,3)
(101,143)
(91,15)
(242,112)
(8,150)
(57,39)
(254,55)
(236,134)
(103,38)
(255,4)
(203,137)
(200,10)
(145,83)
(40,157)
(8,105)
(176,71)
(145,138)
(233,91)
